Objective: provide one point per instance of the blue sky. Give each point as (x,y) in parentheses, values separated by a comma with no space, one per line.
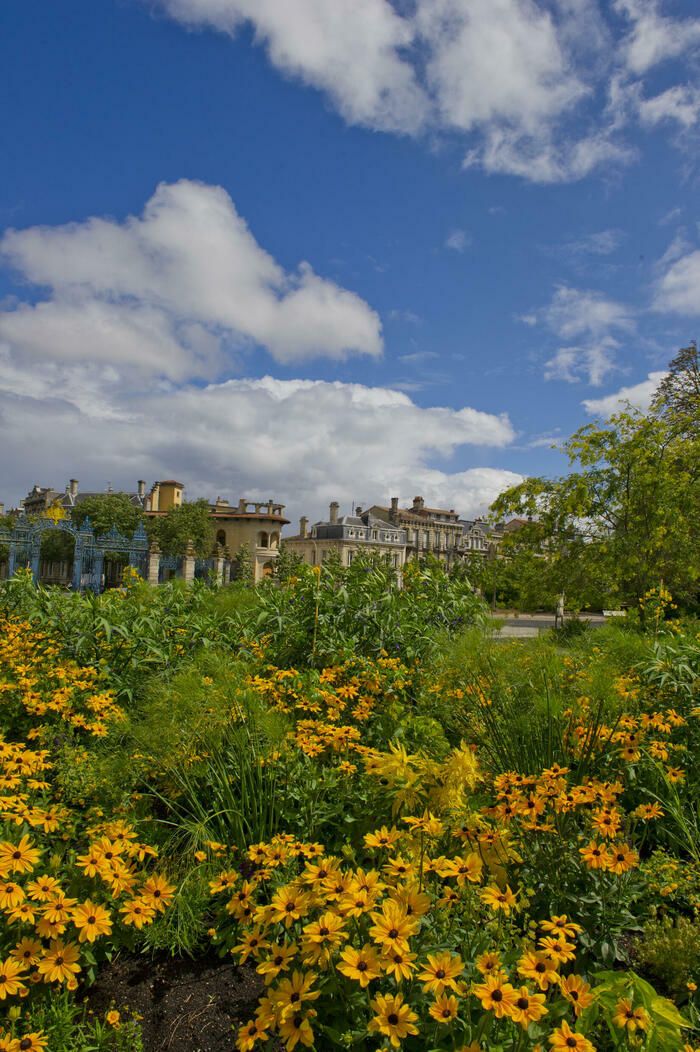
(338,248)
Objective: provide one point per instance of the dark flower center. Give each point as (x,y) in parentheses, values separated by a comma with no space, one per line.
(497,995)
(392,1019)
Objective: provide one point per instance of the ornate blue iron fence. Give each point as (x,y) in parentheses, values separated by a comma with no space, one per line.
(24,546)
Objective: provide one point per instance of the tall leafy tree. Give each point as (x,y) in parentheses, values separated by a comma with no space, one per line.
(627,516)
(190,521)
(106,510)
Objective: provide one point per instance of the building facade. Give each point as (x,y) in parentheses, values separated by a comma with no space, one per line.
(347,536)
(256,525)
(434,531)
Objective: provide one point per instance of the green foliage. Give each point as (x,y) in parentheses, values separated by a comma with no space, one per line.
(242,567)
(669,953)
(331,612)
(71,1027)
(190,521)
(666,1024)
(288,564)
(230,795)
(629,516)
(107,510)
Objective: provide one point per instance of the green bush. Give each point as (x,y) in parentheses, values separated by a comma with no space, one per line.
(669,953)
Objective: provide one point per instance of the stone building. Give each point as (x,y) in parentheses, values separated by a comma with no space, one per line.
(348,535)
(254,524)
(437,531)
(257,524)
(41,498)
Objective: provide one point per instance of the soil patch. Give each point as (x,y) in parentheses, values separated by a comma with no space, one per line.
(192,1006)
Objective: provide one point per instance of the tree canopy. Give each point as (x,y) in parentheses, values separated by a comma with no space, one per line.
(190,521)
(106,510)
(627,516)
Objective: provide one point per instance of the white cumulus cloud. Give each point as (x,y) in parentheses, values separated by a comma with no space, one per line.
(637,395)
(678,288)
(168,292)
(304,442)
(503,74)
(589,324)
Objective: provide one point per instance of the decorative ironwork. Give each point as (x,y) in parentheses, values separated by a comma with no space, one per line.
(205,569)
(24,544)
(169,567)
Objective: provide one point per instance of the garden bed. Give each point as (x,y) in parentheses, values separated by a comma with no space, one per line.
(184,1004)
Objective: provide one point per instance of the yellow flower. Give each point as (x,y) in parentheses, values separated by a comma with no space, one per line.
(621,858)
(557,948)
(60,963)
(561,925)
(289,904)
(10,982)
(440,972)
(296,1029)
(360,965)
(577,991)
(625,1016)
(539,967)
(158,892)
(92,920)
(113,1018)
(399,963)
(392,1019)
(37,1041)
(18,858)
(444,1009)
(28,951)
(565,1039)
(250,1034)
(137,912)
(528,1007)
(496,995)
(498,900)
(279,961)
(392,927)
(290,994)
(382,838)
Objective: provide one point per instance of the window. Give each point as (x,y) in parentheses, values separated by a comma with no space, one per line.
(221,537)
(263,540)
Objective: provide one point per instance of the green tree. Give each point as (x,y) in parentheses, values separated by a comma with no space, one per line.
(242,566)
(106,510)
(288,564)
(190,521)
(628,515)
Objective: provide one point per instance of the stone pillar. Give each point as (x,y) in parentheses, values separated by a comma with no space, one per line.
(188,563)
(219,564)
(153,563)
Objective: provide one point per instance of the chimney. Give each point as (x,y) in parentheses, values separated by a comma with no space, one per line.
(242,505)
(141,487)
(358,510)
(418,503)
(2,509)
(303,526)
(394,513)
(334,512)
(73,487)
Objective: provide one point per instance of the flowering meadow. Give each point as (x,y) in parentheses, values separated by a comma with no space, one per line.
(388,828)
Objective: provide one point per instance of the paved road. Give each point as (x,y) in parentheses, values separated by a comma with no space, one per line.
(528,626)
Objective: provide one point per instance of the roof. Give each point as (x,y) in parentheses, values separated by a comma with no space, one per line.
(169,482)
